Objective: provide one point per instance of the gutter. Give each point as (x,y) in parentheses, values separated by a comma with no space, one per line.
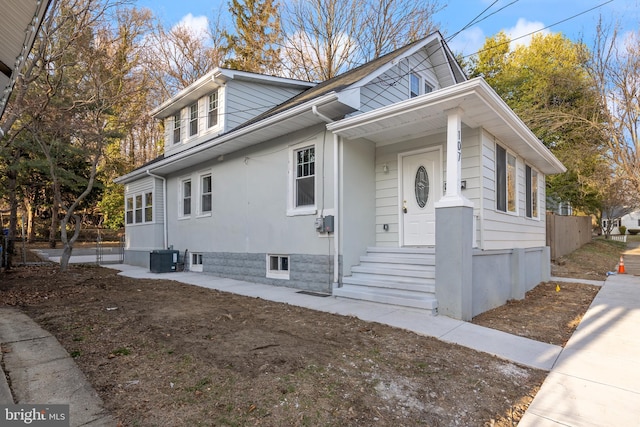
(336,199)
(165,237)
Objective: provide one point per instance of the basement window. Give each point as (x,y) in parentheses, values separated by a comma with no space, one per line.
(278,266)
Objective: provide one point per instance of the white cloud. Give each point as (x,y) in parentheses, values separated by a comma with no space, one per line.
(198,24)
(522,32)
(468,42)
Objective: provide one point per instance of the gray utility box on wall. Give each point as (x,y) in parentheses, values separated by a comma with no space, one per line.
(163,261)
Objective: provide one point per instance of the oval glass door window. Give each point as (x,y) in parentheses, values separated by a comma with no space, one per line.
(422,187)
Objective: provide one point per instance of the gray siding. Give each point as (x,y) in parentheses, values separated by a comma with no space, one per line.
(246,100)
(146,236)
(501,230)
(393,86)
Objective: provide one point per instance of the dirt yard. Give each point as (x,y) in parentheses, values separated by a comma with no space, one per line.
(164,353)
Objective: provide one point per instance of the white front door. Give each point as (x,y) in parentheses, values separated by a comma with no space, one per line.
(421,187)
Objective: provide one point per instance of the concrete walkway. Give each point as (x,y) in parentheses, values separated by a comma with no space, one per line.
(42,372)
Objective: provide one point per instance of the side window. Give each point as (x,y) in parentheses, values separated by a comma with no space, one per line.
(186,198)
(505,180)
(414,85)
(212,117)
(305,161)
(138,209)
(205,197)
(148,207)
(129,210)
(193,119)
(278,266)
(531,177)
(176,128)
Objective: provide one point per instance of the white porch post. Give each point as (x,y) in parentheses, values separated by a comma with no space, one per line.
(454,232)
(453,196)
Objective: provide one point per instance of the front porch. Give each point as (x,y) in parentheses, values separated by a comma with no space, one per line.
(398,276)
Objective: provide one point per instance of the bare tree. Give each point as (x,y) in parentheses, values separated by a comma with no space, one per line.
(615,70)
(321,37)
(180,55)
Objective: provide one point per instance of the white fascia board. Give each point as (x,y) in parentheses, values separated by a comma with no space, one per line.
(160,112)
(255,127)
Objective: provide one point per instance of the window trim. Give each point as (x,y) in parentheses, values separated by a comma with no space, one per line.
(502,179)
(532,193)
(136,204)
(422,82)
(292,209)
(181,200)
(201,194)
(177,127)
(193,119)
(210,110)
(279,272)
(196,266)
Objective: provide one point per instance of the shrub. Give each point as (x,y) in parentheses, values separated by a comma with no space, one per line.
(623,229)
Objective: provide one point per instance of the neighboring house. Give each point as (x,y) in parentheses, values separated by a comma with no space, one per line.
(630,220)
(398,182)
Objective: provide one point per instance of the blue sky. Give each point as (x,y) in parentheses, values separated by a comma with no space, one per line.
(517,19)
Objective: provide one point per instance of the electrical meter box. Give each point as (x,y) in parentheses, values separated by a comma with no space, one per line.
(324,224)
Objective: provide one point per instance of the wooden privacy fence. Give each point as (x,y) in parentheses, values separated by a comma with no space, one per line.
(565,234)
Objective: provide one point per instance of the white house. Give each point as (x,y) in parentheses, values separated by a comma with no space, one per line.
(400,181)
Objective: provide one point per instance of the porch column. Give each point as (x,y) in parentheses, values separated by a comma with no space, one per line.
(454,233)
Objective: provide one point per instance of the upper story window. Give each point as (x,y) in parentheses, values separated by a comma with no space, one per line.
(176,128)
(505,180)
(531,177)
(212,116)
(193,119)
(305,176)
(418,85)
(414,89)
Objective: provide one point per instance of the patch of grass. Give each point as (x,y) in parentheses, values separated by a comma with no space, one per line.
(75,353)
(122,351)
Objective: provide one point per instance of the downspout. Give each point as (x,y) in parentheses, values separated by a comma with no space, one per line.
(336,199)
(165,237)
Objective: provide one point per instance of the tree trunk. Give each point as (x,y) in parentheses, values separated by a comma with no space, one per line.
(66,255)
(66,242)
(54,217)
(12,176)
(31,229)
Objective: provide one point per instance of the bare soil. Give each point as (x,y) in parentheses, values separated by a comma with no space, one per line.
(163,353)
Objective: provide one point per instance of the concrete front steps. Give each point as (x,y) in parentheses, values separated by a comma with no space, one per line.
(397,276)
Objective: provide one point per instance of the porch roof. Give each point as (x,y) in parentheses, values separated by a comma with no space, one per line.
(481,107)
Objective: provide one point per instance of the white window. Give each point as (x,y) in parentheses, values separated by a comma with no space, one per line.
(278,266)
(193,119)
(196,262)
(205,193)
(212,117)
(505,180)
(129,210)
(305,177)
(414,88)
(176,128)
(185,208)
(139,208)
(531,177)
(419,85)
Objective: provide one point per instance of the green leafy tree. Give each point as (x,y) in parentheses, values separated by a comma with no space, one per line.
(254,45)
(547,84)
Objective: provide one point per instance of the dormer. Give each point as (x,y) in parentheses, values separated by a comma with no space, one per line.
(219,102)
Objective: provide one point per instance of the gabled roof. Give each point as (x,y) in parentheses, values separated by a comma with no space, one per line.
(333,98)
(365,73)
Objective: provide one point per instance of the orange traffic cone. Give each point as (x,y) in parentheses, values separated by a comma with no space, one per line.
(621,266)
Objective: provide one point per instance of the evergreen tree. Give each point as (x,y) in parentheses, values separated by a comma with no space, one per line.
(254,46)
